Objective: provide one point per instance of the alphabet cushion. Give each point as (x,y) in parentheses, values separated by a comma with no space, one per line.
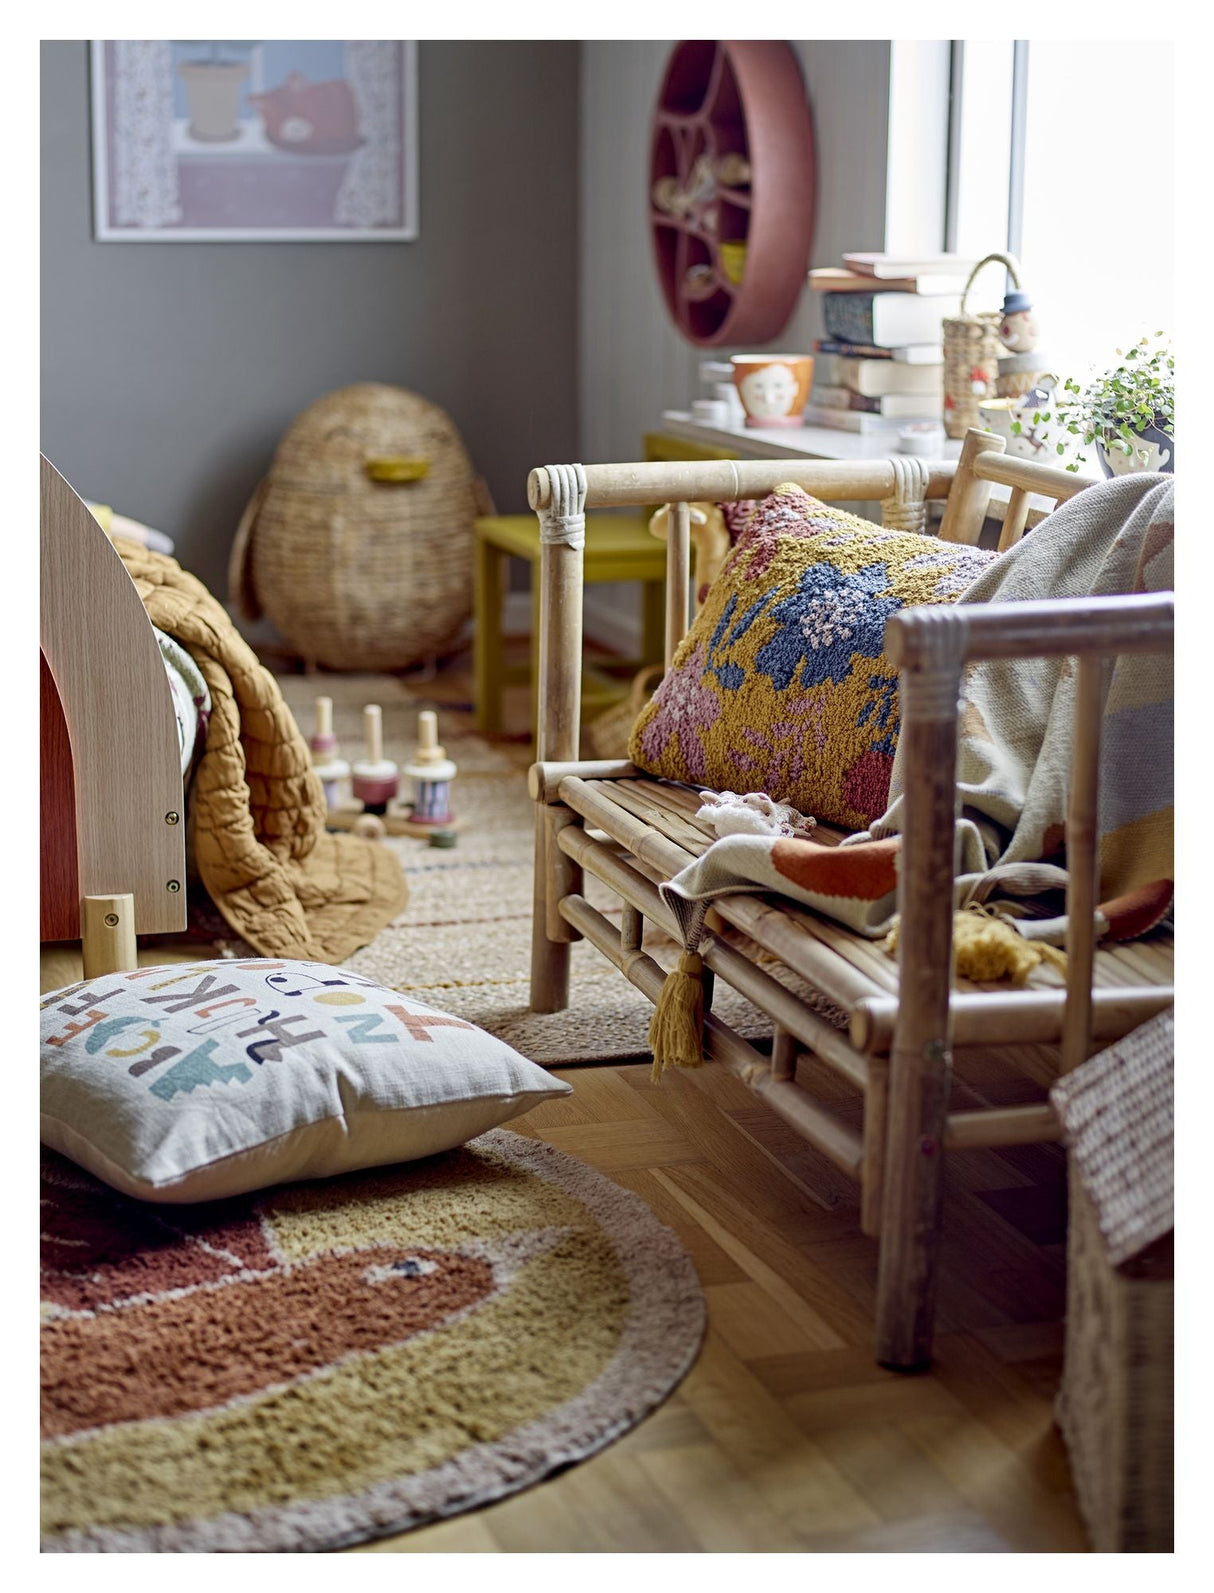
(782,684)
(194,1081)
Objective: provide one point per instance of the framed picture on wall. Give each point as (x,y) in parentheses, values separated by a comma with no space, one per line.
(268,140)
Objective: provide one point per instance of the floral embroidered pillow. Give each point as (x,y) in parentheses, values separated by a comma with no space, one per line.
(195,1081)
(782,684)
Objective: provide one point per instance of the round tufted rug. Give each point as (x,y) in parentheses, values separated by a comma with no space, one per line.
(330,1362)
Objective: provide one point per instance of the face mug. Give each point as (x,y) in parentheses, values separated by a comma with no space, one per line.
(773,388)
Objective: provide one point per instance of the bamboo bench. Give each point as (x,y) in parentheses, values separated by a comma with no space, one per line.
(632,832)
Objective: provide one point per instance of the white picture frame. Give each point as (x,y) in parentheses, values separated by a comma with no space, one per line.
(201,156)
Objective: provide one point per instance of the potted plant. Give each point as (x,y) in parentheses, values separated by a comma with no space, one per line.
(213,87)
(1128,413)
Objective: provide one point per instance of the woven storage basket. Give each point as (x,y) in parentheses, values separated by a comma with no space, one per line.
(971,354)
(1116,1402)
(358,544)
(608,734)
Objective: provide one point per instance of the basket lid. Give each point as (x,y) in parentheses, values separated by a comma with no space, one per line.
(1117,1112)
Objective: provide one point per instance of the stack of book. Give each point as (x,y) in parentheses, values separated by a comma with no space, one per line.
(880,364)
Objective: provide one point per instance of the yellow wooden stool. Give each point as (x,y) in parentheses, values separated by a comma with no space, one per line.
(619,547)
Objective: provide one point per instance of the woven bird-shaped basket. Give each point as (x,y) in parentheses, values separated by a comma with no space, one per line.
(971,354)
(358,543)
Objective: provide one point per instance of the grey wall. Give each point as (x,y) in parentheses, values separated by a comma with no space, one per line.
(634,363)
(169,370)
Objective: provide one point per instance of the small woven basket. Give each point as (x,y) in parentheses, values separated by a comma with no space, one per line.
(608,734)
(971,354)
(358,543)
(1115,1406)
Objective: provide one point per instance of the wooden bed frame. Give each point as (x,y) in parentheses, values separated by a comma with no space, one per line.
(112,806)
(633,832)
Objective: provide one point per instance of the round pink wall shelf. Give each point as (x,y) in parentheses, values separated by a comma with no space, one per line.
(731,189)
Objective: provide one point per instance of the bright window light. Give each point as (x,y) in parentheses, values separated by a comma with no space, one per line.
(1097,233)
(985,163)
(1095,228)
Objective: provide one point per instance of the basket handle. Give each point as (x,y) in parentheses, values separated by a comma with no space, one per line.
(241,592)
(1007,260)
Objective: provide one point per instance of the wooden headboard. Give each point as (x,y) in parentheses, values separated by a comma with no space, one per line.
(112,812)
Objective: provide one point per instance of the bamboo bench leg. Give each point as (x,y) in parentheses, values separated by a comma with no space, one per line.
(558,683)
(910,1215)
(563,877)
(933,645)
(632,928)
(783,1055)
(872,1177)
(549,958)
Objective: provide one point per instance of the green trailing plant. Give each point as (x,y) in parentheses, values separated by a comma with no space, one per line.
(1114,409)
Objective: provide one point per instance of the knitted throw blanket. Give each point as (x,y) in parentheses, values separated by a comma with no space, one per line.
(1014,755)
(256,810)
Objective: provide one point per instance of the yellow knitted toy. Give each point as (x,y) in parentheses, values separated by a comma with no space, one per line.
(987,947)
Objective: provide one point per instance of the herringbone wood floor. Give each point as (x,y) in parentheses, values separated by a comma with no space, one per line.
(786,1436)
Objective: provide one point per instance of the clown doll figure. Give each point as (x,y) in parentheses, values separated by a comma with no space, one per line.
(1018,330)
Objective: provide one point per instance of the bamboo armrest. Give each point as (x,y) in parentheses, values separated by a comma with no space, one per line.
(1140,622)
(735,480)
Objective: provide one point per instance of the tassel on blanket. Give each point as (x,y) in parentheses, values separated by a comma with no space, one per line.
(987,947)
(676,1030)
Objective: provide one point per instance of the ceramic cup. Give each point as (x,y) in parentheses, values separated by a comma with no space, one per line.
(922,437)
(1031,441)
(710,411)
(999,414)
(773,388)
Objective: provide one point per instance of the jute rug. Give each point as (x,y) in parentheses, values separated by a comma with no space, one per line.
(463,943)
(331,1362)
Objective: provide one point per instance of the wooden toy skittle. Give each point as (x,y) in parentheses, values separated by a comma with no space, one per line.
(326,755)
(376,778)
(374,812)
(432,773)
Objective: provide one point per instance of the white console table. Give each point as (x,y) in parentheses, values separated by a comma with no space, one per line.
(823,442)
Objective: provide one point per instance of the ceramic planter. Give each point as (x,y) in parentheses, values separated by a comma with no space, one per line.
(1159,446)
(213,91)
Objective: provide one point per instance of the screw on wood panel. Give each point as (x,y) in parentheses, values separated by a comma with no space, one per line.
(173,885)
(172,818)
(111,920)
(935,1051)
(927,1145)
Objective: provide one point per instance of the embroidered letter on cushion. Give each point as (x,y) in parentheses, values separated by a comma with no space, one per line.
(196,1081)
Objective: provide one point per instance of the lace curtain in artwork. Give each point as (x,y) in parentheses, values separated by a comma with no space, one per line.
(371,192)
(144,170)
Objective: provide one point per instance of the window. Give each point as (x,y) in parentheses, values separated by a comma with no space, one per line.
(1040,165)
